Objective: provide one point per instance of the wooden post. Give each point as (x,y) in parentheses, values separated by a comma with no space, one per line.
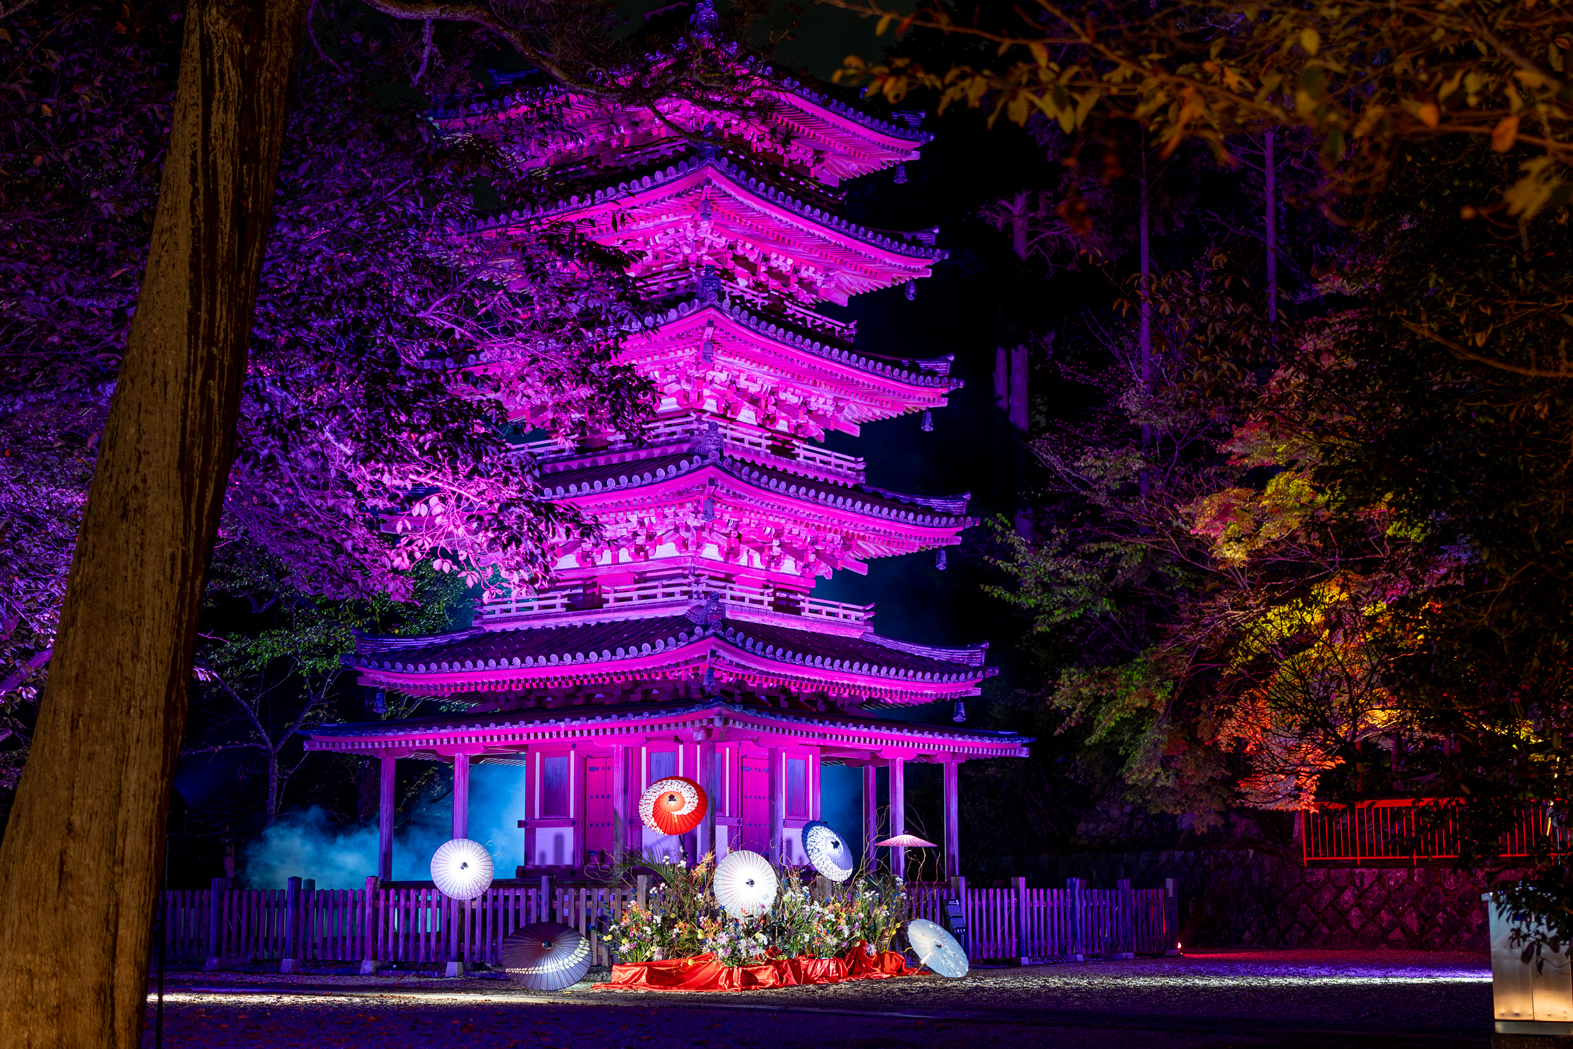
(898,814)
(705,776)
(870,813)
(1125,921)
(216,923)
(385,806)
(371,928)
(1018,887)
(958,889)
(305,930)
(1172,888)
(546,899)
(291,961)
(643,882)
(461,795)
(952,839)
(620,803)
(451,910)
(777,804)
(1078,926)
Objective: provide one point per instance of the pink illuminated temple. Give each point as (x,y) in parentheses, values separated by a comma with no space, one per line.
(685,639)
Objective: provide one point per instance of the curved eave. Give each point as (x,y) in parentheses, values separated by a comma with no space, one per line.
(846,366)
(911,259)
(508,733)
(729,660)
(937,523)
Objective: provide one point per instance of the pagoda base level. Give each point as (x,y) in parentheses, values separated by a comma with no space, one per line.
(586,768)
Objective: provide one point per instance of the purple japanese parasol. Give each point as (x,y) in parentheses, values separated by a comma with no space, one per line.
(827,851)
(905,841)
(546,956)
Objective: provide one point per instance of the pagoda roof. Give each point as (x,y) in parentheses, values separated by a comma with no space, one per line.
(931,372)
(648,466)
(618,648)
(502,733)
(840,141)
(853,258)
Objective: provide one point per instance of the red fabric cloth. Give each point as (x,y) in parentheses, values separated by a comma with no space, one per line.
(703,973)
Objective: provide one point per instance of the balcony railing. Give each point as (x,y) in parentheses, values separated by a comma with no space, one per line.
(1415,829)
(760,599)
(739,441)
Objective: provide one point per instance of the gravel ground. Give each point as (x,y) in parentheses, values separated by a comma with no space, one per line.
(1205,1000)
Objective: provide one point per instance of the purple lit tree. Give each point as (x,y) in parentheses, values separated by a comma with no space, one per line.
(340,422)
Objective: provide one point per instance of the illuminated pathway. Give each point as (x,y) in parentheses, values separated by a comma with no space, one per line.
(1213,999)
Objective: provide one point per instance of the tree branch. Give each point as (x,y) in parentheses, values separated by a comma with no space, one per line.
(1463,352)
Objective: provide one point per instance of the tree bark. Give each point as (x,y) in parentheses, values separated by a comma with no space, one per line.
(80,862)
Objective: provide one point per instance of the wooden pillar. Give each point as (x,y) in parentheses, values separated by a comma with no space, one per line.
(1018,890)
(1076,949)
(385,805)
(815,808)
(1125,923)
(292,904)
(371,929)
(777,803)
(952,840)
(620,802)
(870,813)
(898,814)
(461,795)
(704,775)
(1172,915)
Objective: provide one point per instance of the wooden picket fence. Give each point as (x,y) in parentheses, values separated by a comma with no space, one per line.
(1027,925)
(413,926)
(389,925)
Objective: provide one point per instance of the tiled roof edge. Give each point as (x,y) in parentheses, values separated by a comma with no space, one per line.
(747,317)
(754,475)
(684,167)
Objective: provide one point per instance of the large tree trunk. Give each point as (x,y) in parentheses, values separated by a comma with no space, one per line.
(80,861)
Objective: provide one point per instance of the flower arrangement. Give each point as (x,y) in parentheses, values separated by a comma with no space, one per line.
(638,936)
(739,943)
(808,920)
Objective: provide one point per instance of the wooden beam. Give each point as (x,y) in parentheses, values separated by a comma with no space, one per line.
(386,800)
(952,839)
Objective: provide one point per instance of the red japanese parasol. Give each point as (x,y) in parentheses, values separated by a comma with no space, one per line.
(673,805)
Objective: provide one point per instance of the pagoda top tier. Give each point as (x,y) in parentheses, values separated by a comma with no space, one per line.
(786,124)
(709,211)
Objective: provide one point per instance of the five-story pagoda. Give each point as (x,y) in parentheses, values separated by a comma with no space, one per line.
(685,638)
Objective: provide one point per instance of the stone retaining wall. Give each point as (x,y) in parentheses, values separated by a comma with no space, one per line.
(1247,898)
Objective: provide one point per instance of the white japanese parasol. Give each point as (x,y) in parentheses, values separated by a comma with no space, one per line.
(745,883)
(827,851)
(546,956)
(673,805)
(905,841)
(936,948)
(461,868)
